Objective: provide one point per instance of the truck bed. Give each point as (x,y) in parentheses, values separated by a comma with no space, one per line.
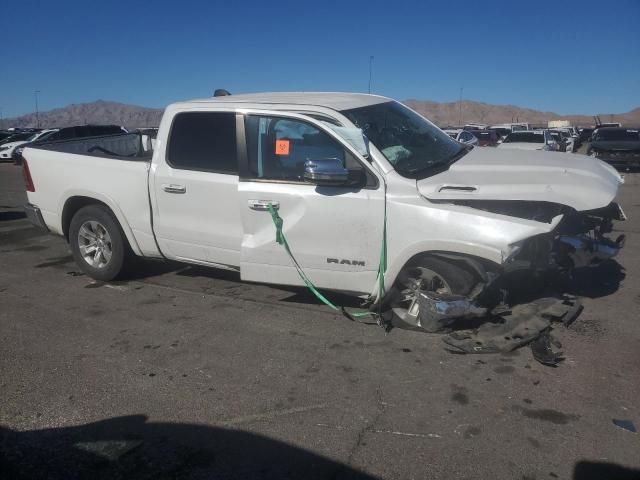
(111,169)
(123,146)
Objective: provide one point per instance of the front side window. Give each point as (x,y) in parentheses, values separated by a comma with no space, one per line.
(415,147)
(278,148)
(204,141)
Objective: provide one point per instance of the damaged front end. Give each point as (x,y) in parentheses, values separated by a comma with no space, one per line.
(515,303)
(579,240)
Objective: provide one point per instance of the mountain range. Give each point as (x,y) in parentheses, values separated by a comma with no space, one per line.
(443,114)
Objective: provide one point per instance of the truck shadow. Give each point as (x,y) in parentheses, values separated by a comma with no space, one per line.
(585,470)
(11,216)
(595,282)
(284,293)
(130,447)
(590,282)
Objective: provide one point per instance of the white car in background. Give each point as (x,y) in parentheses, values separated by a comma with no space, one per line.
(530,140)
(6,150)
(564,137)
(574,136)
(463,136)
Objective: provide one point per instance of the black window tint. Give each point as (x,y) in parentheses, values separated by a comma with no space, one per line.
(279,147)
(204,141)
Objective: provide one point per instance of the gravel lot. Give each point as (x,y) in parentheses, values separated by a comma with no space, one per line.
(185,372)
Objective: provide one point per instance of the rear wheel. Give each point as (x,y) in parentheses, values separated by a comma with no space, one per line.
(431,274)
(97,242)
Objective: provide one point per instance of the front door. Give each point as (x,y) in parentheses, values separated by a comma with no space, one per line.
(335,233)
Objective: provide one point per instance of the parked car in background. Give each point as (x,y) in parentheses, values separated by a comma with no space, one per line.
(467,137)
(530,140)
(560,140)
(486,138)
(585,134)
(15,136)
(7,145)
(501,132)
(7,148)
(565,139)
(475,126)
(452,132)
(4,134)
(148,137)
(574,134)
(70,133)
(619,147)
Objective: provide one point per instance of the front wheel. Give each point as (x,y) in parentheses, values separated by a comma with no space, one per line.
(431,274)
(97,242)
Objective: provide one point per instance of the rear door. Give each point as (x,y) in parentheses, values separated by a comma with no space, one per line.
(195,189)
(335,233)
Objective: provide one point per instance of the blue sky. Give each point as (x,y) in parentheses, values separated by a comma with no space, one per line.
(562,56)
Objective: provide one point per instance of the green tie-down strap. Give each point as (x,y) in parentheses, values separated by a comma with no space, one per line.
(280,238)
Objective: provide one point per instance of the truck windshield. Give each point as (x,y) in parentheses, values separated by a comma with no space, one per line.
(415,147)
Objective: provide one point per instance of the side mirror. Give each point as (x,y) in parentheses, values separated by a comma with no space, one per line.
(328,171)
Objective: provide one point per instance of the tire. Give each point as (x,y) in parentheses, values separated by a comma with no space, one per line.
(98,243)
(438,275)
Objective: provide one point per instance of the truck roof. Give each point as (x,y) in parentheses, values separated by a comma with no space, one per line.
(333,100)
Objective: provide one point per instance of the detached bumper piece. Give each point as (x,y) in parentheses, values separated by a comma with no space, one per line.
(35,216)
(438,312)
(507,330)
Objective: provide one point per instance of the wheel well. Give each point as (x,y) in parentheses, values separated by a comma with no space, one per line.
(71,207)
(475,265)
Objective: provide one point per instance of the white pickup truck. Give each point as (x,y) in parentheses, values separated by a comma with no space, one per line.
(348,174)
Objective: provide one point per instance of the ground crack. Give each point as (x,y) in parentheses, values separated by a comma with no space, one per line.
(367,428)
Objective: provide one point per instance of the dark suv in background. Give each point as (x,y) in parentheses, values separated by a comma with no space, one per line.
(619,147)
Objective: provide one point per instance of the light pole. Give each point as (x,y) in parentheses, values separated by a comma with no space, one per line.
(370,71)
(460,108)
(35,94)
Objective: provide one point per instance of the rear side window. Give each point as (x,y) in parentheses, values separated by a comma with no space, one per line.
(204,141)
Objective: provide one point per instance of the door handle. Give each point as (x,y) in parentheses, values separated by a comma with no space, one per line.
(262,205)
(173,188)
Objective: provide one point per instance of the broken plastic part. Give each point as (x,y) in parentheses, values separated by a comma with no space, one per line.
(509,329)
(625,425)
(542,351)
(504,335)
(437,311)
(433,312)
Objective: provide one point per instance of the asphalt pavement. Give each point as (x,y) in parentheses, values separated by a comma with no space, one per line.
(185,372)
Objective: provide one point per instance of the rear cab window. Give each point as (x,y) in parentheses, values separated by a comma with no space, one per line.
(203,141)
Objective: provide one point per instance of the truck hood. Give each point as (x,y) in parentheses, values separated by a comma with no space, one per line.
(577,181)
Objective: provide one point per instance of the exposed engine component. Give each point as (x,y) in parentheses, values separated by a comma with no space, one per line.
(583,251)
(579,240)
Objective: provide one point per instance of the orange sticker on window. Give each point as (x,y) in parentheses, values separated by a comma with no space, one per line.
(282,147)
